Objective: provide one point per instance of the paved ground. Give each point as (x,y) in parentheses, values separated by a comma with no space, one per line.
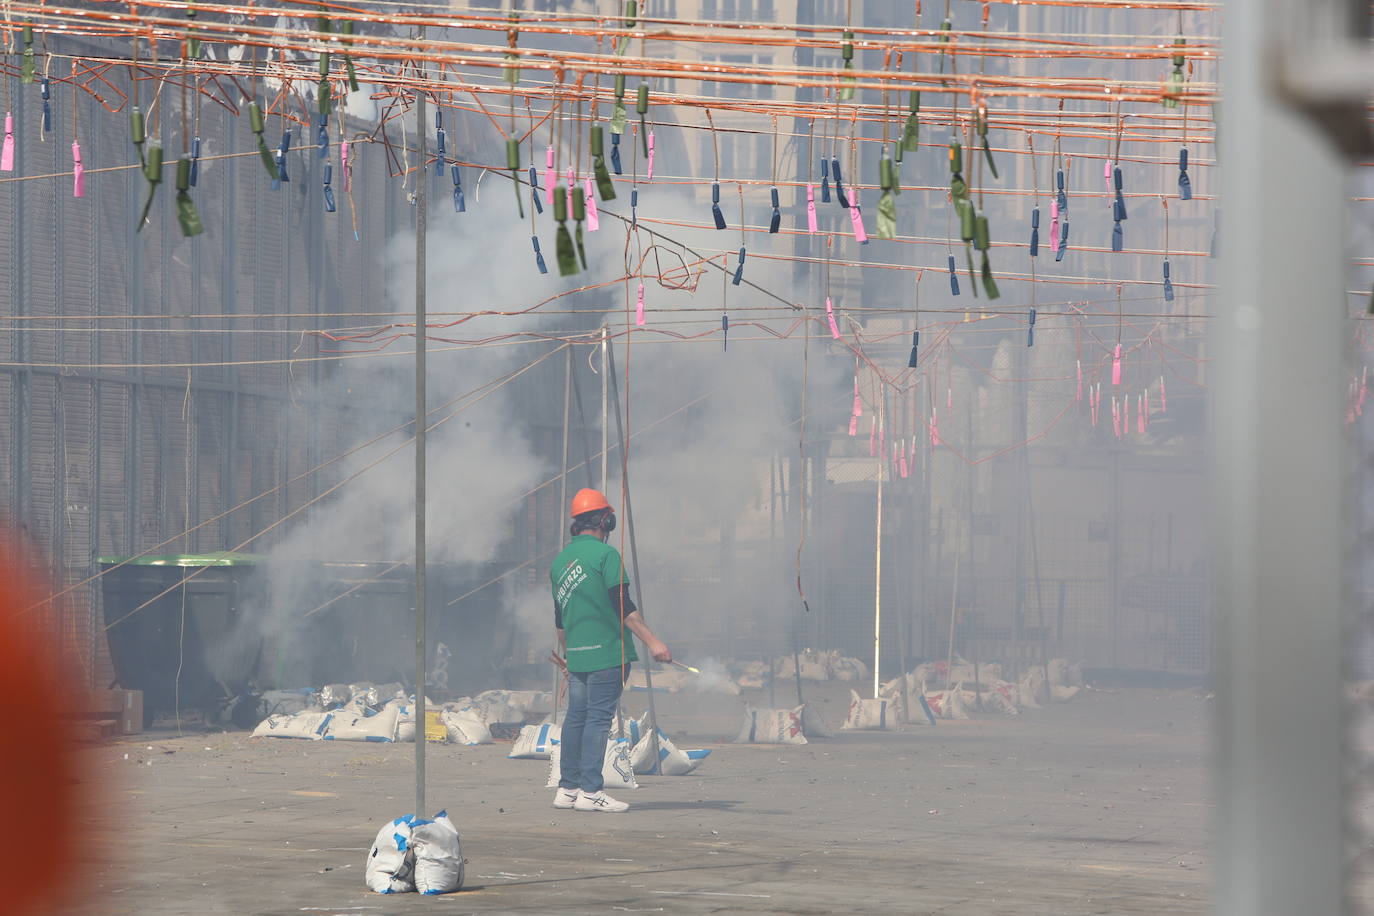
(1093,806)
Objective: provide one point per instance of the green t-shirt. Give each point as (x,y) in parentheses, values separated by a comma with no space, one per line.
(582,577)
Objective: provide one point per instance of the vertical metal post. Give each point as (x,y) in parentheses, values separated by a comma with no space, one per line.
(608,372)
(878,549)
(1114,545)
(421,419)
(563,496)
(1279,537)
(605,408)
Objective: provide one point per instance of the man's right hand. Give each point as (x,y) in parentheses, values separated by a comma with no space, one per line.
(660,651)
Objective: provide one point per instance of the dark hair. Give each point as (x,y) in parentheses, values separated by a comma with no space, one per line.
(589,521)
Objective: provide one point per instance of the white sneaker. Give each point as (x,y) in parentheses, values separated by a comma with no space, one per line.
(599,801)
(565,798)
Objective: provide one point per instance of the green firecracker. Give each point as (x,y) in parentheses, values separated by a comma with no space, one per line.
(562,240)
(186,208)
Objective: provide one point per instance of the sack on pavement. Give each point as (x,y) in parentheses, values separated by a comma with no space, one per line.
(536,742)
(465,727)
(377,727)
(438,855)
(301,725)
(866,714)
(391,861)
(672,760)
(946,704)
(771,726)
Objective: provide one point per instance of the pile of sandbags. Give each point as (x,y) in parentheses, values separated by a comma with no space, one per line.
(413,854)
(345,724)
(811,664)
(982,687)
(542,742)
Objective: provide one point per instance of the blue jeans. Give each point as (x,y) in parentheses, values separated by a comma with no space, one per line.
(592,699)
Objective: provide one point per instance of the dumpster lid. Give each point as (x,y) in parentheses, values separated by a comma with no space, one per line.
(213,558)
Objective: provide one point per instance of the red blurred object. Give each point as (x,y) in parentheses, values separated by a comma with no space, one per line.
(42,796)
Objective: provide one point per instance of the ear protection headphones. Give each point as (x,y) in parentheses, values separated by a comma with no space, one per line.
(606,524)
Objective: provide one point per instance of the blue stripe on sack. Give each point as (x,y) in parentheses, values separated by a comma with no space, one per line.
(698,753)
(882,714)
(427,893)
(378,738)
(753,725)
(400,842)
(324,724)
(926,706)
(329,737)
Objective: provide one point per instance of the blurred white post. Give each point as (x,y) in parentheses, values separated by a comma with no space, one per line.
(1278,475)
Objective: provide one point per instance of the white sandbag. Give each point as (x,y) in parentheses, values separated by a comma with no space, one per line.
(946,704)
(866,714)
(405,720)
(378,727)
(290,702)
(617,771)
(535,742)
(1064,673)
(846,669)
(301,725)
(672,760)
(365,691)
(391,691)
(1062,693)
(438,856)
(391,861)
(1001,697)
(532,702)
(465,728)
(751,674)
(333,696)
(1032,689)
(496,708)
(771,726)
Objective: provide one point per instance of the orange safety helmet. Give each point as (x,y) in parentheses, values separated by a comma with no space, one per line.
(588,500)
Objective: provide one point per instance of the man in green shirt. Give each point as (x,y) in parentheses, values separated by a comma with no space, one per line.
(592,610)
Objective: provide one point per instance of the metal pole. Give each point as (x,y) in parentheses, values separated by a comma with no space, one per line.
(421,184)
(878,550)
(608,369)
(563,499)
(605,408)
(1279,537)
